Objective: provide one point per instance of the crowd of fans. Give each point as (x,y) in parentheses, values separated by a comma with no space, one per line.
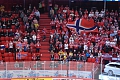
(19,31)
(22,28)
(66,44)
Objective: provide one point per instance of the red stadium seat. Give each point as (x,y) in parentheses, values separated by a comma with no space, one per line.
(0,58)
(10,54)
(93,60)
(2,51)
(0,54)
(6,55)
(13,26)
(7,59)
(89,60)
(7,38)
(29,55)
(12,59)
(3,19)
(2,38)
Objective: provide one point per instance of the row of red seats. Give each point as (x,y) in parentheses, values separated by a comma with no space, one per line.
(6,39)
(92,60)
(7,54)
(6,19)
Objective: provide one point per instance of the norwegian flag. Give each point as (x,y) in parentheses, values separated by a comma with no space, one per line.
(21,55)
(83,25)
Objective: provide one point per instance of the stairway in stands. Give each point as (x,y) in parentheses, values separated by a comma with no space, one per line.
(45,22)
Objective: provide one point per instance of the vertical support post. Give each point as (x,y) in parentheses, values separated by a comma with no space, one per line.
(93,70)
(44,67)
(6,69)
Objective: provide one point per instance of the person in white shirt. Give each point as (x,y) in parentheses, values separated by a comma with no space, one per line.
(107,42)
(34,38)
(11,46)
(99,54)
(85,47)
(37,14)
(71,40)
(96,13)
(25,39)
(66,47)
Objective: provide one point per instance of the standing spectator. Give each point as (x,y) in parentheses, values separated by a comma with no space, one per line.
(37,14)
(22,15)
(30,7)
(38,46)
(40,7)
(10,46)
(52,13)
(44,33)
(43,6)
(34,38)
(25,19)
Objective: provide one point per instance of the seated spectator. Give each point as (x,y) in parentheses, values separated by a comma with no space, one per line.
(17,25)
(74,57)
(37,57)
(87,54)
(34,57)
(2,33)
(11,34)
(52,57)
(60,52)
(56,56)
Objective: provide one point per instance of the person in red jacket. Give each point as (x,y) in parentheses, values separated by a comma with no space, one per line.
(38,46)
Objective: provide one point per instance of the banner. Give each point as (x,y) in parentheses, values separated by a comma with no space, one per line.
(46,73)
(43,79)
(34,79)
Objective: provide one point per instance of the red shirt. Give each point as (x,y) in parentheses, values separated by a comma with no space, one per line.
(56,56)
(38,37)
(31,45)
(70,45)
(38,45)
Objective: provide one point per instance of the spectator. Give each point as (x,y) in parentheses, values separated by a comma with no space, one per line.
(37,14)
(25,19)
(38,46)
(34,57)
(34,38)
(10,46)
(38,57)
(52,14)
(52,57)
(44,33)
(40,7)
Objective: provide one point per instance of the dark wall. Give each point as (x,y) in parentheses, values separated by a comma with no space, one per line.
(9,3)
(80,3)
(89,4)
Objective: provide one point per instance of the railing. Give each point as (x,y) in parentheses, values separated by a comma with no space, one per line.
(48,69)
